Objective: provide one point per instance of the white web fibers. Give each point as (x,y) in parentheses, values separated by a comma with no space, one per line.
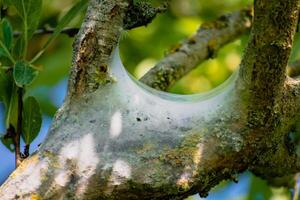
(126,115)
(165,104)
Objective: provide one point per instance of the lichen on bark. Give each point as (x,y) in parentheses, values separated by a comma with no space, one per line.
(124,140)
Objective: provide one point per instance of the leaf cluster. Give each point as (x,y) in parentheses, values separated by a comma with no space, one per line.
(18,70)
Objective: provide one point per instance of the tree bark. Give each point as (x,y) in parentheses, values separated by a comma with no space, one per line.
(115,138)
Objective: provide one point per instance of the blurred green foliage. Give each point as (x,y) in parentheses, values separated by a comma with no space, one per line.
(55,62)
(18,70)
(141,48)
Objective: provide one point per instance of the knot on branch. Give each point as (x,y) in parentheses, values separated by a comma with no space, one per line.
(141,14)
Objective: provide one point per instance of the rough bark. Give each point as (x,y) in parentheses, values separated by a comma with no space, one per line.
(115,138)
(272,108)
(98,36)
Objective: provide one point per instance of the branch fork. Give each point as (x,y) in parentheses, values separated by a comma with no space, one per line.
(132,142)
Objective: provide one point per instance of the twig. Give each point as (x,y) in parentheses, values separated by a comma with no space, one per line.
(17,135)
(203,45)
(71,32)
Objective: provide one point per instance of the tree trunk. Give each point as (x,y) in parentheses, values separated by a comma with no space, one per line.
(116,138)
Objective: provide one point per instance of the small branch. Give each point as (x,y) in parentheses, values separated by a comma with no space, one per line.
(203,45)
(17,134)
(293,69)
(71,32)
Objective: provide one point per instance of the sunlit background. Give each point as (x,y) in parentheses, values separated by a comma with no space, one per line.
(141,48)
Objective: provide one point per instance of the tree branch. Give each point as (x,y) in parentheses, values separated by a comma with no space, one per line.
(123,142)
(97,38)
(93,46)
(18,133)
(71,32)
(263,67)
(272,98)
(204,44)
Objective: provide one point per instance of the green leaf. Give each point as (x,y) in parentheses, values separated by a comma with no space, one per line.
(41,95)
(32,120)
(5,52)
(6,38)
(6,83)
(7,33)
(11,118)
(66,19)
(18,5)
(8,143)
(30,12)
(18,48)
(2,53)
(5,2)
(24,74)
(8,96)
(34,10)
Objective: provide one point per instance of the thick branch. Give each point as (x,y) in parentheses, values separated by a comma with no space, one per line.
(263,67)
(203,45)
(123,142)
(272,99)
(97,38)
